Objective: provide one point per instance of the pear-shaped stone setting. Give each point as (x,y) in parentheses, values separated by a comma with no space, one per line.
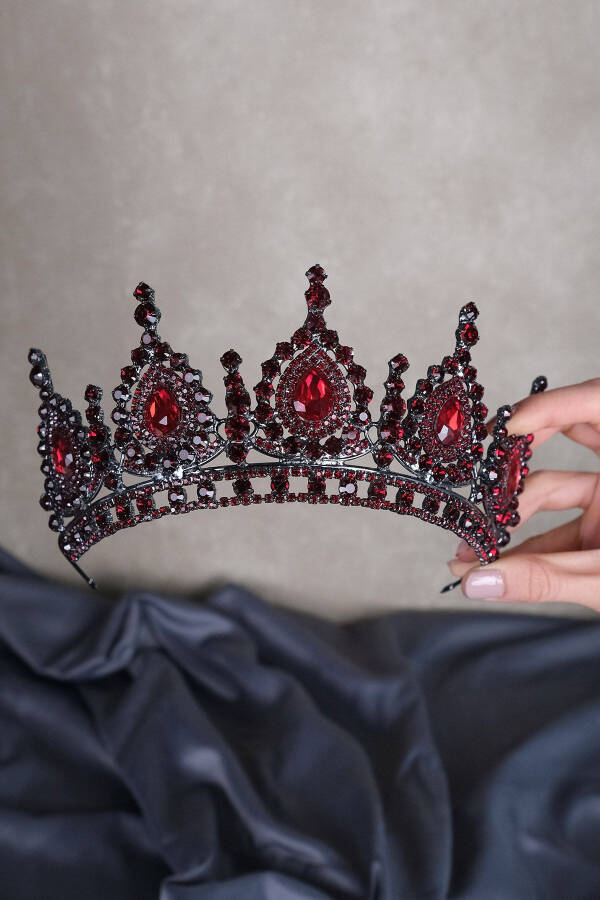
(449,421)
(313,396)
(514,473)
(63,455)
(162,412)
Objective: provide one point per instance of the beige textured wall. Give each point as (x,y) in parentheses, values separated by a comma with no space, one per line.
(425,153)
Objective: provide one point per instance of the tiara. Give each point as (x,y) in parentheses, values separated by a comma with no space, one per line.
(309,437)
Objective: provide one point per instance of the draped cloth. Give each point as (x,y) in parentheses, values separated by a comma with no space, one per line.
(157,748)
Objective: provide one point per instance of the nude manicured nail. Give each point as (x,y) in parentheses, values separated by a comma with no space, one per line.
(484,583)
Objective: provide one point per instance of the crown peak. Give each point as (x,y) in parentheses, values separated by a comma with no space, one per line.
(316,273)
(143,292)
(317,295)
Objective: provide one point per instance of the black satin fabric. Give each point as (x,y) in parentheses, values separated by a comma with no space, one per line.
(153,748)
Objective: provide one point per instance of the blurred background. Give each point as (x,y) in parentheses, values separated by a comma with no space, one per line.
(425,154)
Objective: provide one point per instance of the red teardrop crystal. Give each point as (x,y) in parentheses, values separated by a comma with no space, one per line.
(513,475)
(162,412)
(449,421)
(313,396)
(63,455)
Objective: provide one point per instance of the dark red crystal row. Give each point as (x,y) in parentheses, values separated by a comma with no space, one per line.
(237,399)
(436,506)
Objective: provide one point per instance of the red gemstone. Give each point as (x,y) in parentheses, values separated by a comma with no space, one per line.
(143,291)
(377,490)
(139,357)
(237,453)
(313,396)
(391,430)
(284,350)
(162,412)
(146,315)
(291,445)
(238,402)
(279,482)
(430,504)
(206,490)
(348,486)
(399,363)
(383,456)
(394,405)
(317,486)
(363,395)
(469,334)
(315,321)
(449,421)
(343,355)
(231,360)
(273,431)
(123,509)
(329,338)
(404,497)
(264,412)
(97,434)
(264,390)
(449,364)
(313,450)
(270,368)
(350,434)
(63,455)
(237,428)
(333,445)
(302,337)
(317,296)
(316,273)
(233,382)
(356,373)
(513,475)
(242,487)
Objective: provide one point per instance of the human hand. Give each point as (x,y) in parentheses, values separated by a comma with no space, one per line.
(562,564)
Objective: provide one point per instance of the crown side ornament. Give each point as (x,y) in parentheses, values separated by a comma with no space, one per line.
(171,453)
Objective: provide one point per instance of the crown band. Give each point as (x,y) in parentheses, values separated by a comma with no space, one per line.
(311,419)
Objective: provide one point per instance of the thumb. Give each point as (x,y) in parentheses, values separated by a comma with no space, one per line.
(572,577)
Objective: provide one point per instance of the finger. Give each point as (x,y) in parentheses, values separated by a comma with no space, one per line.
(562,538)
(558,409)
(574,410)
(552,489)
(539,437)
(590,526)
(585,434)
(572,577)
(546,489)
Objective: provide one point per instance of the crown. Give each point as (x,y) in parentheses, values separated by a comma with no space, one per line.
(309,437)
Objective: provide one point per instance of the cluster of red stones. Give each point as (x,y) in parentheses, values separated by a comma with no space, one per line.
(74,458)
(237,400)
(167,421)
(323,485)
(502,474)
(312,401)
(440,429)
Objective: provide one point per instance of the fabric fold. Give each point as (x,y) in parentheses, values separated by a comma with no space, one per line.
(154,747)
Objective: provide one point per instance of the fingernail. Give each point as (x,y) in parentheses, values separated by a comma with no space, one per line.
(463,551)
(484,583)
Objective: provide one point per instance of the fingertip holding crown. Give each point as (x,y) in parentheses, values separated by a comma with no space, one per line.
(484,584)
